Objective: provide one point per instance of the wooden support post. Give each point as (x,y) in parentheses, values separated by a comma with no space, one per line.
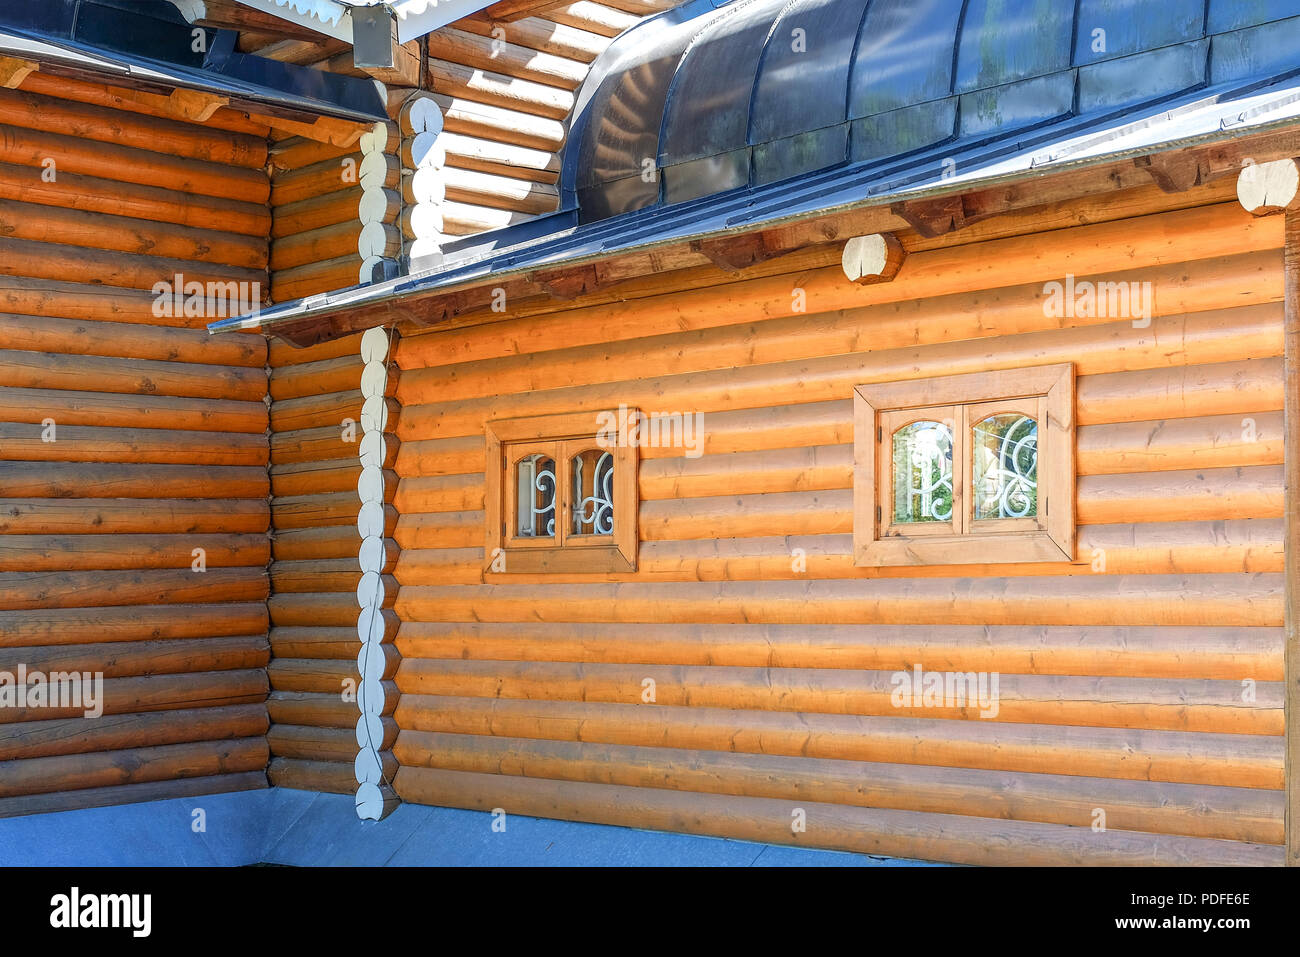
(1265,189)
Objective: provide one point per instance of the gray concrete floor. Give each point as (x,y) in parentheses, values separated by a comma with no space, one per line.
(304,828)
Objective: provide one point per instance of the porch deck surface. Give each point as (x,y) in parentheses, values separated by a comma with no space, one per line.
(305,828)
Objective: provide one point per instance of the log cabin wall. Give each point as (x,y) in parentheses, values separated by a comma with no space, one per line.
(130,440)
(504,107)
(1124,675)
(315,467)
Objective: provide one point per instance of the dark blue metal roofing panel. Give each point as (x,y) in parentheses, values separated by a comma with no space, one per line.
(1113,28)
(1006,40)
(1227,15)
(904,55)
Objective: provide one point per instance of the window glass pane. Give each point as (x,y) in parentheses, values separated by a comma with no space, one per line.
(1005,463)
(923,473)
(535,488)
(593,492)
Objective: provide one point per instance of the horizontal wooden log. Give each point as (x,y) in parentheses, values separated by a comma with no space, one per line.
(1252,545)
(66,480)
(1025,264)
(133,793)
(315,212)
(295,152)
(1180,391)
(315,511)
(328,776)
(1150,703)
(1242,814)
(42,370)
(331,574)
(161,693)
(458,46)
(284,353)
(320,478)
(327,376)
(324,444)
(326,176)
(465,219)
(102,231)
(1232,760)
(1118,651)
(136,658)
(906,834)
(42,553)
(62,736)
(577,31)
(443,493)
(596,17)
(66,626)
(135,101)
(313,245)
(469,118)
(165,762)
(136,200)
(65,407)
(316,544)
(21,591)
(1254,438)
(493,156)
(125,340)
(26,296)
(336,745)
(499,192)
(440,530)
(311,675)
(318,411)
(25,442)
(1205,494)
(127,164)
(1231,600)
(499,89)
(103,124)
(1113,347)
(308,280)
(311,710)
(315,642)
(53,261)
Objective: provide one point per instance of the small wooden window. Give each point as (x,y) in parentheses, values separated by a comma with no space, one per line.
(965,469)
(561,495)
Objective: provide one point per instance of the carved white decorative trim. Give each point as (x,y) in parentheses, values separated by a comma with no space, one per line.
(375,796)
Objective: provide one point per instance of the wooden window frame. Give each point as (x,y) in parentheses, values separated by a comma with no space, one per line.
(559,437)
(1047,537)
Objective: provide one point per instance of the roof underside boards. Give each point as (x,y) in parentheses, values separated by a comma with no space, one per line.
(1212,115)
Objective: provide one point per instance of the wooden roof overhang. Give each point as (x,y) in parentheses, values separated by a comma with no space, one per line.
(433,299)
(312,103)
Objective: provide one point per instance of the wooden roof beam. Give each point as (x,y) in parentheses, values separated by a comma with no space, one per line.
(1173,172)
(13,71)
(933,217)
(509,10)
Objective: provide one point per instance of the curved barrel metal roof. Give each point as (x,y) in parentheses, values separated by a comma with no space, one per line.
(714,96)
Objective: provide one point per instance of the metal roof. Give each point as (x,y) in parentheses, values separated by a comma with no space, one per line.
(708,98)
(1250,84)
